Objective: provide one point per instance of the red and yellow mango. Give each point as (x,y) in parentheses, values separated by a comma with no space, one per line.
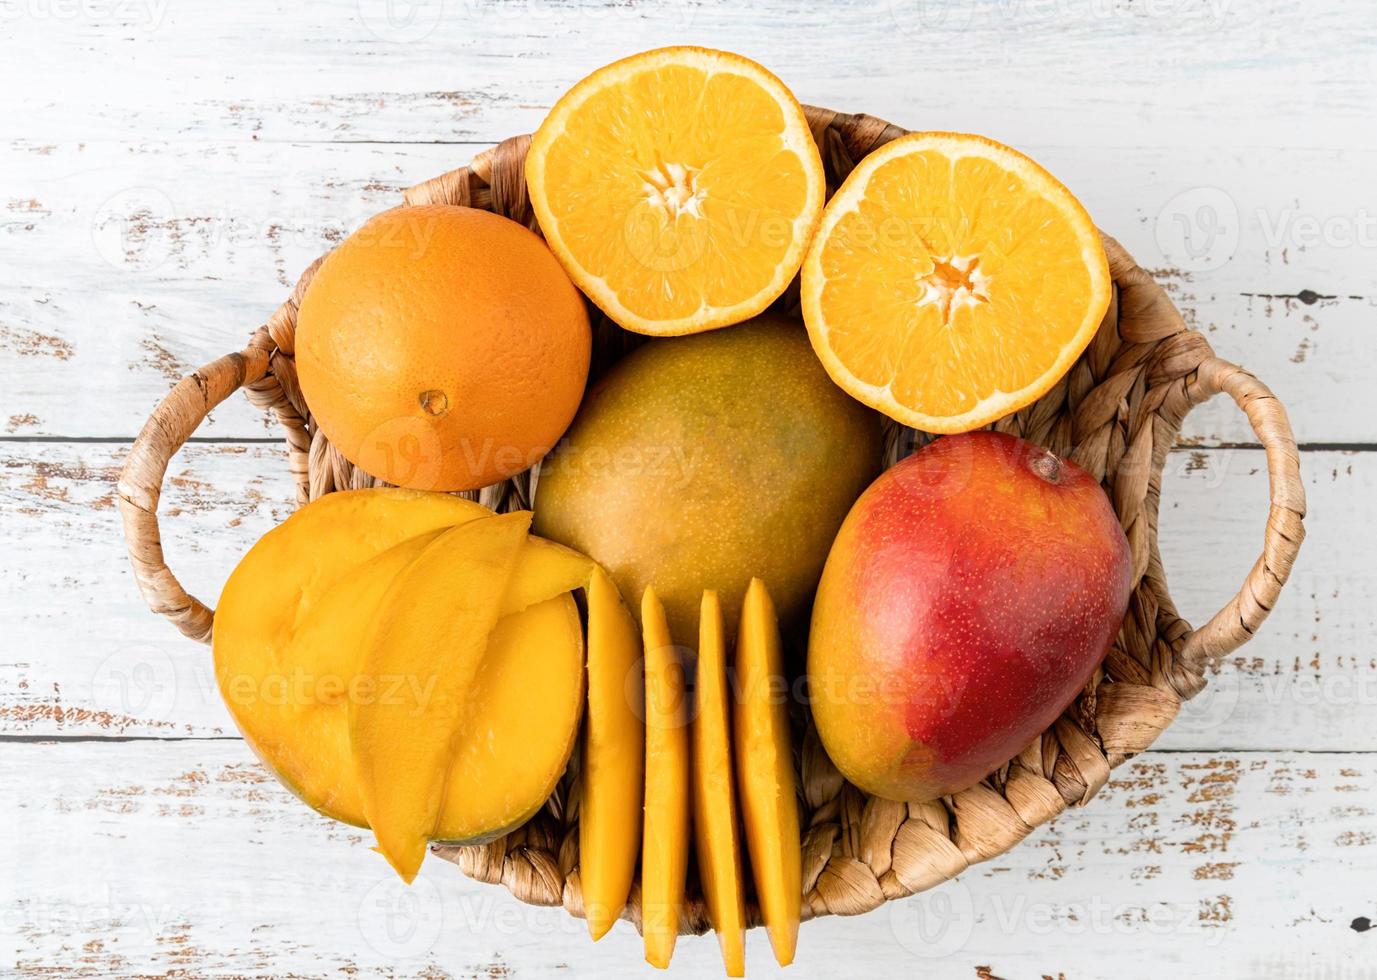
(970,594)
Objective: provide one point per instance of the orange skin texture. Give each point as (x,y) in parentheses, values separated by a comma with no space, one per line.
(442,348)
(966,601)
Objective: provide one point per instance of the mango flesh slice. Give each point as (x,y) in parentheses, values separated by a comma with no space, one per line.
(714,798)
(313,753)
(765,772)
(274,588)
(290,644)
(422,655)
(613,783)
(665,846)
(532,669)
(521,723)
(544,570)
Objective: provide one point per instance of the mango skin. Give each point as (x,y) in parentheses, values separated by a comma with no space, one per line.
(698,462)
(966,600)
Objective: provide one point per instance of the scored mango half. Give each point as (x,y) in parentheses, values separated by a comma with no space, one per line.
(415,663)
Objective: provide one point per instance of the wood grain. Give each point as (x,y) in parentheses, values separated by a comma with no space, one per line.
(1111,74)
(87,659)
(129,274)
(151,858)
(168,169)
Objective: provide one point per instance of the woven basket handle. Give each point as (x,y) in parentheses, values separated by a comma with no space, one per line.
(1233,625)
(140,485)
(191,400)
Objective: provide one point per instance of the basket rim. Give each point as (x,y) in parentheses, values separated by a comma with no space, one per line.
(1117,413)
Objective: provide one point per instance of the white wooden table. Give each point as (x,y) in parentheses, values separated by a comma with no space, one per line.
(166,170)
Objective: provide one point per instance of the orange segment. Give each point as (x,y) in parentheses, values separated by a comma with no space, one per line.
(679,188)
(952,281)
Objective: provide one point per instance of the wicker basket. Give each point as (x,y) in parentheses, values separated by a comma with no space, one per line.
(1116,413)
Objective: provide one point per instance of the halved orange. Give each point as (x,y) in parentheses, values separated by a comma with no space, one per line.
(952,281)
(678,187)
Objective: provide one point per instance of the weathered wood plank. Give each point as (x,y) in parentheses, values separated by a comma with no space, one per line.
(169,169)
(185,858)
(1263,73)
(82,655)
(135,263)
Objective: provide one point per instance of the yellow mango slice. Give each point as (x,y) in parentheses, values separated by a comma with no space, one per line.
(665,846)
(765,772)
(613,782)
(326,652)
(714,796)
(520,725)
(422,655)
(544,570)
(526,701)
(290,644)
(275,587)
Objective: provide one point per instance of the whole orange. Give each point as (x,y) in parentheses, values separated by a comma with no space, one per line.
(442,348)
